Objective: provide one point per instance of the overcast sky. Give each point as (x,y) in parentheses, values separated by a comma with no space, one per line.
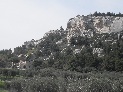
(23,20)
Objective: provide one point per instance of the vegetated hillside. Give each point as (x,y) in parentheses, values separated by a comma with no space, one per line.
(94,41)
(87,56)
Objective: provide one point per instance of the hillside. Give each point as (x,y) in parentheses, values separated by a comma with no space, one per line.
(94,41)
(88,52)
(88,41)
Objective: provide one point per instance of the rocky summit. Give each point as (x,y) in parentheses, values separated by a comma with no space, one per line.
(87,25)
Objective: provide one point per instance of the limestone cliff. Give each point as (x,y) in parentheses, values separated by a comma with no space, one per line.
(87,25)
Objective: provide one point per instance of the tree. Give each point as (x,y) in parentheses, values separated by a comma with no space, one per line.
(37,62)
(103,14)
(61,28)
(95,14)
(14,59)
(109,64)
(119,65)
(108,14)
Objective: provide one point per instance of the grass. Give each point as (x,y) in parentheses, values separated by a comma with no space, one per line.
(2,90)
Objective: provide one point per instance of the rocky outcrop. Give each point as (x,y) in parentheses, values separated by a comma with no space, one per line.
(88,25)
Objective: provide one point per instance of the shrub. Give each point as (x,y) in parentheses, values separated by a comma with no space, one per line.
(15,86)
(51,80)
(2,84)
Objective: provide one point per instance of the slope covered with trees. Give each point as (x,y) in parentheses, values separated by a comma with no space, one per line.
(83,57)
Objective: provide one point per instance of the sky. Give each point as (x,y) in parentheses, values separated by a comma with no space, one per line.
(24,20)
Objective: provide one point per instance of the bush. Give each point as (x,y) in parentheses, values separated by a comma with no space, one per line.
(2,84)
(15,86)
(51,80)
(9,72)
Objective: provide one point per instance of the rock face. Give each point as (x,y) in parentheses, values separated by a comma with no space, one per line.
(87,25)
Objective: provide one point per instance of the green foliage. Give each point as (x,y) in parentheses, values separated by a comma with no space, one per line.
(20,50)
(14,59)
(79,41)
(52,80)
(15,86)
(4,58)
(2,84)
(107,14)
(2,90)
(37,62)
(119,65)
(8,73)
